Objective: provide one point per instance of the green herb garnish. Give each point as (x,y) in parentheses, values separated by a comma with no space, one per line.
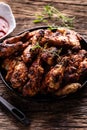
(45,49)
(36,46)
(53,27)
(53,52)
(50,13)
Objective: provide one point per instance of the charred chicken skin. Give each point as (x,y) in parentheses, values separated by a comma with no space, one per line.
(44,61)
(35,74)
(62,37)
(53,78)
(17,72)
(29,54)
(74,68)
(9,49)
(49,55)
(19,75)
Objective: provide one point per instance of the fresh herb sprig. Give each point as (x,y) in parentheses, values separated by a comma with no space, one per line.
(36,46)
(44,49)
(51,13)
(53,52)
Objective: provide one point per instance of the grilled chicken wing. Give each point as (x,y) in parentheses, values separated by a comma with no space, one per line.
(76,65)
(70,88)
(9,49)
(53,79)
(30,53)
(35,74)
(49,55)
(8,65)
(15,44)
(37,37)
(17,71)
(19,75)
(62,37)
(82,69)
(23,38)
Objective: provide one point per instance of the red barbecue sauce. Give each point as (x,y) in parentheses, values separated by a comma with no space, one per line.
(4,27)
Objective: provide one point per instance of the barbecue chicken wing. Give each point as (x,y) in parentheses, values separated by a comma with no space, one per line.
(49,55)
(19,75)
(30,53)
(53,78)
(17,71)
(8,65)
(23,38)
(35,74)
(74,67)
(68,89)
(62,37)
(9,49)
(37,37)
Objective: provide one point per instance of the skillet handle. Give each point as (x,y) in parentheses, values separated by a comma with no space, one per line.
(14,111)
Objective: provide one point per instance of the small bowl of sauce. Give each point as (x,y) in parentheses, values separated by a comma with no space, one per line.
(7,20)
(4,27)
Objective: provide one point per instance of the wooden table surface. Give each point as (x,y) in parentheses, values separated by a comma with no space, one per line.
(64,114)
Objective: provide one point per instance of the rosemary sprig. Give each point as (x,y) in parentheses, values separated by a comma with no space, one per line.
(48,11)
(51,13)
(66,21)
(45,49)
(39,19)
(36,46)
(53,27)
(53,52)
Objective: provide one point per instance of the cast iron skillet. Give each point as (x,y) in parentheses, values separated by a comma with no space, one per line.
(40,97)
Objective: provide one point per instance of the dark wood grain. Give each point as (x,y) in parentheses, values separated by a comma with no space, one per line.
(64,114)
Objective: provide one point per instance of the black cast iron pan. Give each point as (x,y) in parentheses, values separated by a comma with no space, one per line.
(40,97)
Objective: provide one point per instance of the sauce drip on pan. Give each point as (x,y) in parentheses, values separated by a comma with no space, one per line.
(4,27)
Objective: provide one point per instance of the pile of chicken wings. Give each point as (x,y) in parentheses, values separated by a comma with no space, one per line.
(44,61)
